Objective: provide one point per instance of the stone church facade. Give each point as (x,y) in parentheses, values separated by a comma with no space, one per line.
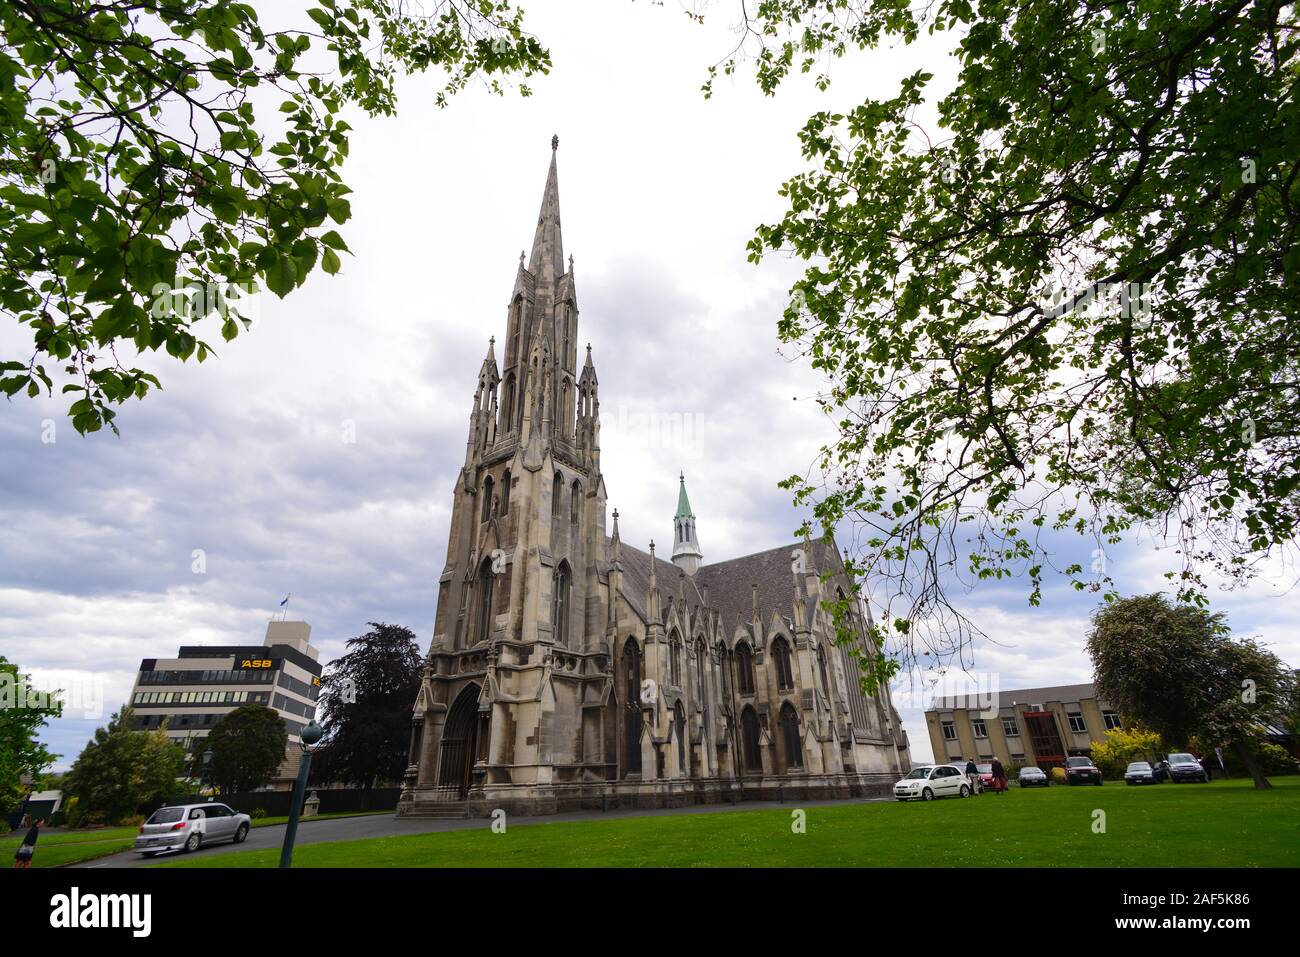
(569,669)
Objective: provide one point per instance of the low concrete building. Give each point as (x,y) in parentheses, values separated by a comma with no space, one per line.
(1028,726)
(190,693)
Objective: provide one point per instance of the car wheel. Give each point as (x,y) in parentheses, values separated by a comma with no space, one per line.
(241,834)
(927,795)
(192,842)
(964,792)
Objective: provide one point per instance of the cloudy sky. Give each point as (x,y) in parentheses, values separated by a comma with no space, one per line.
(316,456)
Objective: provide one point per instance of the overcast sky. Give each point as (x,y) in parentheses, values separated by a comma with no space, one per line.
(316,456)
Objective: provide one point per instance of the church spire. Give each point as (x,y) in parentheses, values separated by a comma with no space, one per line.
(547,260)
(686,547)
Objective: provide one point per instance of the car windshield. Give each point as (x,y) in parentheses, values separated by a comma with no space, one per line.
(1031,771)
(167,815)
(1079,762)
(918,773)
(984,768)
(1181,759)
(1139,766)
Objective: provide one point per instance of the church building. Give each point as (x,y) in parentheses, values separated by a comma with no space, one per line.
(571,670)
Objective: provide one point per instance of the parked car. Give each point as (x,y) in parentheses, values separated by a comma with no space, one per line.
(929,781)
(187,827)
(1080,770)
(1185,767)
(980,785)
(1032,778)
(986,775)
(1140,772)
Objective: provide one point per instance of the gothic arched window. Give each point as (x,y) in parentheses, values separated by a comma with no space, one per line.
(749,740)
(560,588)
(575,502)
(784,671)
(674,660)
(700,652)
(487,500)
(679,720)
(790,737)
(632,707)
(508,404)
(505,493)
(486,580)
(744,668)
(724,670)
(822,672)
(557,494)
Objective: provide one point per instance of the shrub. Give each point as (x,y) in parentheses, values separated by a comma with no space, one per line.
(258,813)
(1058,775)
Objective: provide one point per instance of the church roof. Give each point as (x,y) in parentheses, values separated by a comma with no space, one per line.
(730,583)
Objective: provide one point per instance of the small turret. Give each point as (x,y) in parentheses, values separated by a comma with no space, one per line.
(686,547)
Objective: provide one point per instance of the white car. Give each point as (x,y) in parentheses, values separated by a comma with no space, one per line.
(187,827)
(930,781)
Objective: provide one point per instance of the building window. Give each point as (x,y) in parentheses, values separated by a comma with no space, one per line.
(749,738)
(784,671)
(560,587)
(949,730)
(575,502)
(505,492)
(674,660)
(1010,728)
(1112,720)
(679,719)
(744,668)
(485,582)
(1076,723)
(557,495)
(981,730)
(487,500)
(790,737)
(699,670)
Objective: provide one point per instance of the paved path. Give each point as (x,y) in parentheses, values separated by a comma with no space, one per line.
(386,825)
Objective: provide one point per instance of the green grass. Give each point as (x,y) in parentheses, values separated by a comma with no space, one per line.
(1222,824)
(56,847)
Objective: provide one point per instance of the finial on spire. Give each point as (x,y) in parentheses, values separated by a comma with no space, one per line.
(570,262)
(522,254)
(555,143)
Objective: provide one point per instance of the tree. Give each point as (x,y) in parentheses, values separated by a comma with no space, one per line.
(1123,746)
(247,746)
(141,190)
(365,703)
(119,770)
(1176,670)
(1067,305)
(23,712)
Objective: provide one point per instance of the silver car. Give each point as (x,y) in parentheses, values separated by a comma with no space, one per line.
(187,827)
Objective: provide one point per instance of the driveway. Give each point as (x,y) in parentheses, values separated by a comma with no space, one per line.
(387,825)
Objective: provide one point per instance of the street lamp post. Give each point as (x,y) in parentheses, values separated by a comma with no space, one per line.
(310,738)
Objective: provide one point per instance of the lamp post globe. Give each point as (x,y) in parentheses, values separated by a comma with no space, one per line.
(311,735)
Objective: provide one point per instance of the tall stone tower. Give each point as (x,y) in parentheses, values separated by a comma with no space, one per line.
(519,640)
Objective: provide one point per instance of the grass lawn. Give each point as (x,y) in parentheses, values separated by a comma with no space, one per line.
(1221,824)
(55,846)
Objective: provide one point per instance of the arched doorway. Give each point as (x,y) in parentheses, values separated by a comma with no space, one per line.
(459,745)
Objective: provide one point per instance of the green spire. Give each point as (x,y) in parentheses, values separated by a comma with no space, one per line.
(683,503)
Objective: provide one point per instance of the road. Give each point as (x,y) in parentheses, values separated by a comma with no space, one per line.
(386,825)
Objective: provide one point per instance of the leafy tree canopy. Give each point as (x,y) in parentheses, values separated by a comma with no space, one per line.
(1060,296)
(120,770)
(22,715)
(148,185)
(247,746)
(366,701)
(1175,670)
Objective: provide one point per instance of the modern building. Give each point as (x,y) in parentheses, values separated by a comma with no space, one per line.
(1029,726)
(568,669)
(190,693)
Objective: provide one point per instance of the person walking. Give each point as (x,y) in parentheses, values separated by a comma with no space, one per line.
(27,849)
(999,776)
(973,776)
